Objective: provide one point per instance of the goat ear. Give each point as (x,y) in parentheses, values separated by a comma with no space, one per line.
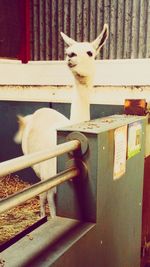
(101,39)
(20,120)
(18,136)
(69,41)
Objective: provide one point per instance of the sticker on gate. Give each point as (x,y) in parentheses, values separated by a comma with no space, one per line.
(134,139)
(120,151)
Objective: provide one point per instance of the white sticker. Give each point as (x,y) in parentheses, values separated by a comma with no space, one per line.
(120,136)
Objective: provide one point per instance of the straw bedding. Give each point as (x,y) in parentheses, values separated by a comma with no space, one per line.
(19,218)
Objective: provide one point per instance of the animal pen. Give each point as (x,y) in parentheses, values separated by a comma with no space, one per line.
(98,212)
(103,165)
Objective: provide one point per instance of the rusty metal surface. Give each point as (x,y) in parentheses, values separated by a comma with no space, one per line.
(129,25)
(102,124)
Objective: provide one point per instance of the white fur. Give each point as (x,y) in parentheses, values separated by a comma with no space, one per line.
(38,131)
(82,67)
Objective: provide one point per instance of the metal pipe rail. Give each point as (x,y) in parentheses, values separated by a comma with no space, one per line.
(38,188)
(29,160)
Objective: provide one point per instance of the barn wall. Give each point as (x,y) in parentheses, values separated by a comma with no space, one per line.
(11,28)
(129,25)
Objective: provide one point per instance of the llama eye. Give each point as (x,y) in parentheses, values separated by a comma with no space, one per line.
(90,54)
(72,54)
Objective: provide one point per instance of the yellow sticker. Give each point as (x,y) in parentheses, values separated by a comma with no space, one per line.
(134,139)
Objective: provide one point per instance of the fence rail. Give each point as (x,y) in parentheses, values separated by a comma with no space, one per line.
(19,198)
(28,161)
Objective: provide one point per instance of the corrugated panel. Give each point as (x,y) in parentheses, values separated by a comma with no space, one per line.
(129,25)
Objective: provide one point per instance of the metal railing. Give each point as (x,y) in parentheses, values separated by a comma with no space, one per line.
(23,162)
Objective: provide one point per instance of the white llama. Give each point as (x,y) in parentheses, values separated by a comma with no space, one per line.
(38,130)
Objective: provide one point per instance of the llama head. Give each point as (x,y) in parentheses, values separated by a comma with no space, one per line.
(81,55)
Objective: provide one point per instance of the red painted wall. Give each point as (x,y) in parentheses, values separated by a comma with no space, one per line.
(146,214)
(15,29)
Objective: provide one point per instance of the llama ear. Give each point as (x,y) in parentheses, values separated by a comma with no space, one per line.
(69,41)
(101,39)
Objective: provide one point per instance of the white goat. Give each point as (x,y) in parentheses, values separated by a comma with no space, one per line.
(38,131)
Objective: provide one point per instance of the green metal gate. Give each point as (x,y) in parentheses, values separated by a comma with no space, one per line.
(99,213)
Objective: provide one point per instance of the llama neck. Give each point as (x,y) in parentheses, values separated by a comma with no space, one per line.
(80,107)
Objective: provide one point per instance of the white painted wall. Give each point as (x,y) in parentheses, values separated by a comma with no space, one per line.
(108,72)
(51,81)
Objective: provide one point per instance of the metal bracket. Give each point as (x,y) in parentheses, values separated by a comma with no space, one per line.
(80,165)
(81,138)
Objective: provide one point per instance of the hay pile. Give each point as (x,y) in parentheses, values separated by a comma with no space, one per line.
(19,218)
